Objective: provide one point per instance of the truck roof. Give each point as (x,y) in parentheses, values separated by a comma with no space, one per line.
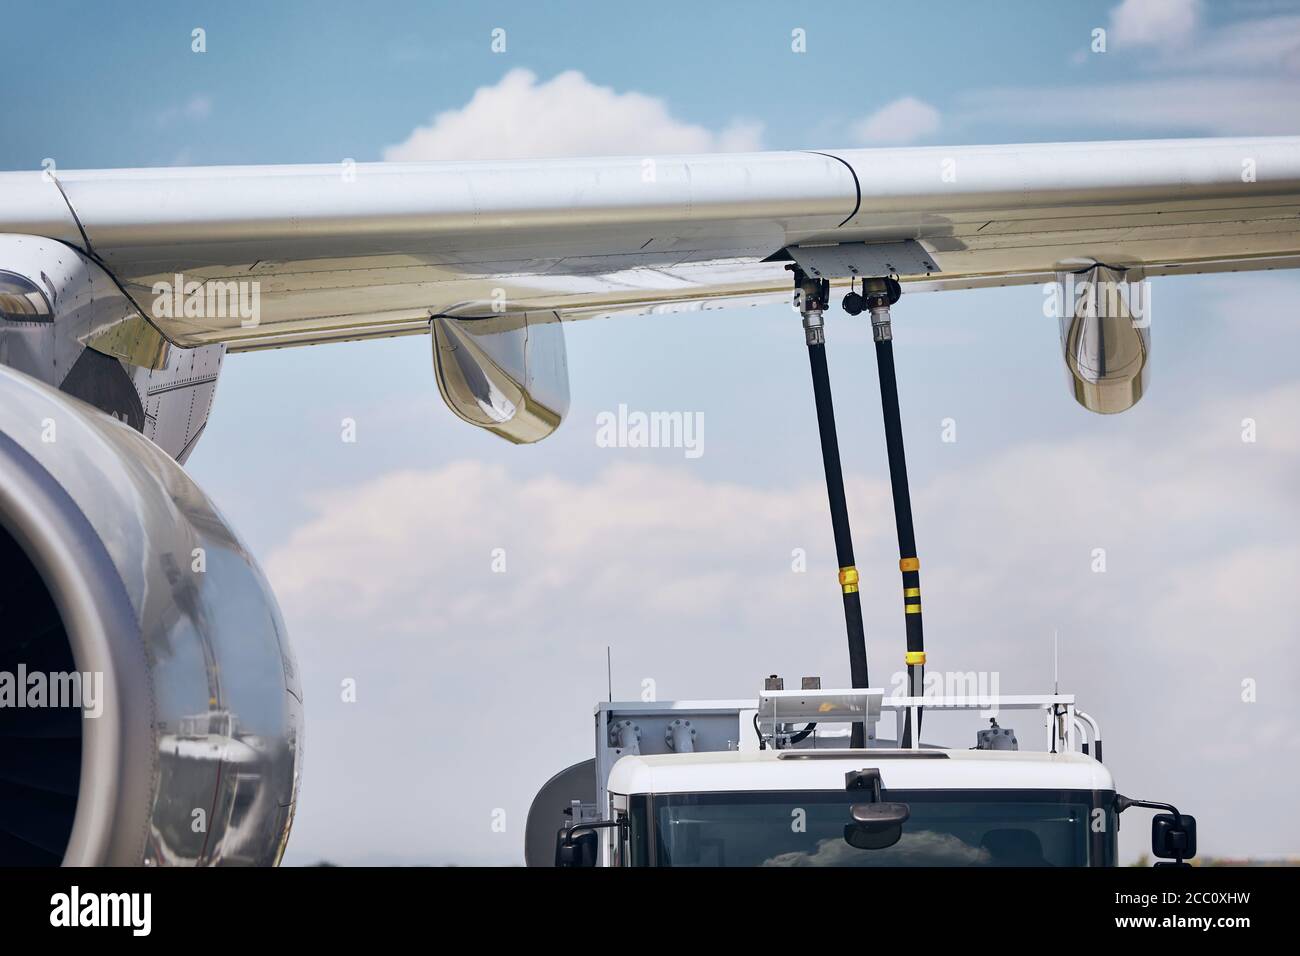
(774,770)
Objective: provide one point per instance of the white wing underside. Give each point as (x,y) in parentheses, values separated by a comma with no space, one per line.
(358,251)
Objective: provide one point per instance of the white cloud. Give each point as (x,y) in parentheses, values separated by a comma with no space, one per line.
(1205,104)
(690,581)
(568,115)
(556,535)
(1269,44)
(903,121)
(1239,78)
(197,107)
(1163,23)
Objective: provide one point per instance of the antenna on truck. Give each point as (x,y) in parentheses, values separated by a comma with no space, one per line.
(1056,660)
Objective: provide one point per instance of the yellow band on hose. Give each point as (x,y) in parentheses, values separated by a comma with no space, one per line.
(912,608)
(911,592)
(849,579)
(915,657)
(909,564)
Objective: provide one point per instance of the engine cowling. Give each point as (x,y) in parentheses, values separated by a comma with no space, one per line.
(116,567)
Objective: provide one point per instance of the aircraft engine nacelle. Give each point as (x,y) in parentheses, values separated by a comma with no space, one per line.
(1105,337)
(150,710)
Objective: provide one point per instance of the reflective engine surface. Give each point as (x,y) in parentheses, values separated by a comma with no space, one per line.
(150,709)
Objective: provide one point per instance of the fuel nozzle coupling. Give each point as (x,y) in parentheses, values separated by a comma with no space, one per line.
(814,330)
(878,295)
(811,297)
(881,331)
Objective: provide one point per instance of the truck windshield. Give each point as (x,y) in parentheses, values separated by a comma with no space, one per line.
(946,828)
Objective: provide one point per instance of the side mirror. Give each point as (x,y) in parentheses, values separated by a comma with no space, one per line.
(575,850)
(876,826)
(1173,834)
(1173,837)
(578,845)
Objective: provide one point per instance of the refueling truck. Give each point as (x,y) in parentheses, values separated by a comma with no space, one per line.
(775,782)
(800,777)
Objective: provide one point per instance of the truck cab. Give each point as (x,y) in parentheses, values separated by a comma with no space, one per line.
(792,808)
(773,781)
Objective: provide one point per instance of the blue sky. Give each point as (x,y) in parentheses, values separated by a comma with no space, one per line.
(683,566)
(316,82)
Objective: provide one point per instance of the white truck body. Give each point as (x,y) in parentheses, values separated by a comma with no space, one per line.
(754,782)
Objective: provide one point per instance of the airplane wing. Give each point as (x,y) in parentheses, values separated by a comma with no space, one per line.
(294,255)
(350,251)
